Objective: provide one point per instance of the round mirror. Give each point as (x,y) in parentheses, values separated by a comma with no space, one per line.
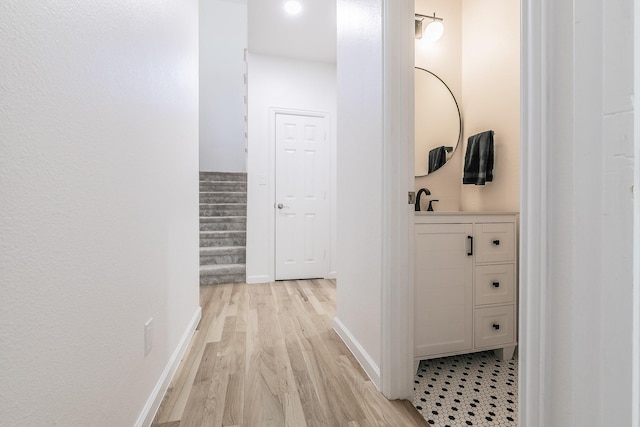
(438,122)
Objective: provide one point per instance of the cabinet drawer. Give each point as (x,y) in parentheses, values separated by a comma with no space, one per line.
(494,284)
(494,242)
(494,326)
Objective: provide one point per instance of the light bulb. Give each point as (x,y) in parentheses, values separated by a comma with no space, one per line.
(433,32)
(292,7)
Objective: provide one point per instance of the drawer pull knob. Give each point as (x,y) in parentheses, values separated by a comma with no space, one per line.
(496,326)
(496,242)
(496,284)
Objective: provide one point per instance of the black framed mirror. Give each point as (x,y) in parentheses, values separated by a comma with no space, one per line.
(438,123)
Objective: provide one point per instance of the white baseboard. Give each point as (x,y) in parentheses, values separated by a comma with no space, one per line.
(332,275)
(259,279)
(153,402)
(361,355)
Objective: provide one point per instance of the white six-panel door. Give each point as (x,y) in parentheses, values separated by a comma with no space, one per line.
(301,222)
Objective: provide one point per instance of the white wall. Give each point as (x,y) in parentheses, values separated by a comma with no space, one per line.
(586,114)
(491,98)
(223,39)
(595,167)
(276,82)
(99,205)
(360,180)
(444,58)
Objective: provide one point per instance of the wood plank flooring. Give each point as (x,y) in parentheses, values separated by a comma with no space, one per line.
(267,355)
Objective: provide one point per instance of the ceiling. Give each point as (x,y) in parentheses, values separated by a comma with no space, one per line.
(309,35)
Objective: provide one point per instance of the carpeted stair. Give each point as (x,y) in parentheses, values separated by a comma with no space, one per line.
(223,225)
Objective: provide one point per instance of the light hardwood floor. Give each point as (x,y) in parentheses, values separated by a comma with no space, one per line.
(267,355)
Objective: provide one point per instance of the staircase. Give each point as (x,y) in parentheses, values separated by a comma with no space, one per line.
(223,225)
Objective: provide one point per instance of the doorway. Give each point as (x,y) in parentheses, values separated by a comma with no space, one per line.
(485,80)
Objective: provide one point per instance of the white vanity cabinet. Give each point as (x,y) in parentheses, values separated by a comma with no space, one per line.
(466,288)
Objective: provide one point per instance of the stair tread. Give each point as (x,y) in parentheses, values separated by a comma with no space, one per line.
(234,186)
(223,192)
(230,268)
(221,219)
(221,266)
(214,249)
(221,175)
(234,183)
(219,226)
(230,218)
(222,196)
(218,180)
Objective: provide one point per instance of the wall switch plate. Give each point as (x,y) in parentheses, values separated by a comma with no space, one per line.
(148,336)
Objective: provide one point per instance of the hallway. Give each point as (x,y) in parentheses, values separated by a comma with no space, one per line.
(266,354)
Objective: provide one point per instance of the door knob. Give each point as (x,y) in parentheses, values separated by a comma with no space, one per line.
(281,206)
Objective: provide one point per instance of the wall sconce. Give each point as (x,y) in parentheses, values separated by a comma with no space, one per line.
(433,30)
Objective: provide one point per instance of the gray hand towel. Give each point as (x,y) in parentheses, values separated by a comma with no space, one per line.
(437,158)
(478,161)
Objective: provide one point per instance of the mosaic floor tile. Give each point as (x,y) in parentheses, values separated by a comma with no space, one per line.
(474,389)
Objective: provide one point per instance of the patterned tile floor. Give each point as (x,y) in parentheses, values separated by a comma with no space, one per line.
(474,389)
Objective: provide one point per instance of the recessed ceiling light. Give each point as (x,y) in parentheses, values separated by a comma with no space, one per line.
(292,7)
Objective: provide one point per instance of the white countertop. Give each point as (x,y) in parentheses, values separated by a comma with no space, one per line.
(438,213)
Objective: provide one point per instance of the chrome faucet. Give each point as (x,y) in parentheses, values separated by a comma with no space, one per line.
(422,190)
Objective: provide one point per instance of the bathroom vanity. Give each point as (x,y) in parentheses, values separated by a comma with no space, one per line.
(466,283)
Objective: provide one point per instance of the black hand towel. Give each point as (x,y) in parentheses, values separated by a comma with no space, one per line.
(478,161)
(437,158)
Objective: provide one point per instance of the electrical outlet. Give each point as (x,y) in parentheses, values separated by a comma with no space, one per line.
(148,336)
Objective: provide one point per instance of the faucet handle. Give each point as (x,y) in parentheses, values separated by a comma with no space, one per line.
(430,207)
